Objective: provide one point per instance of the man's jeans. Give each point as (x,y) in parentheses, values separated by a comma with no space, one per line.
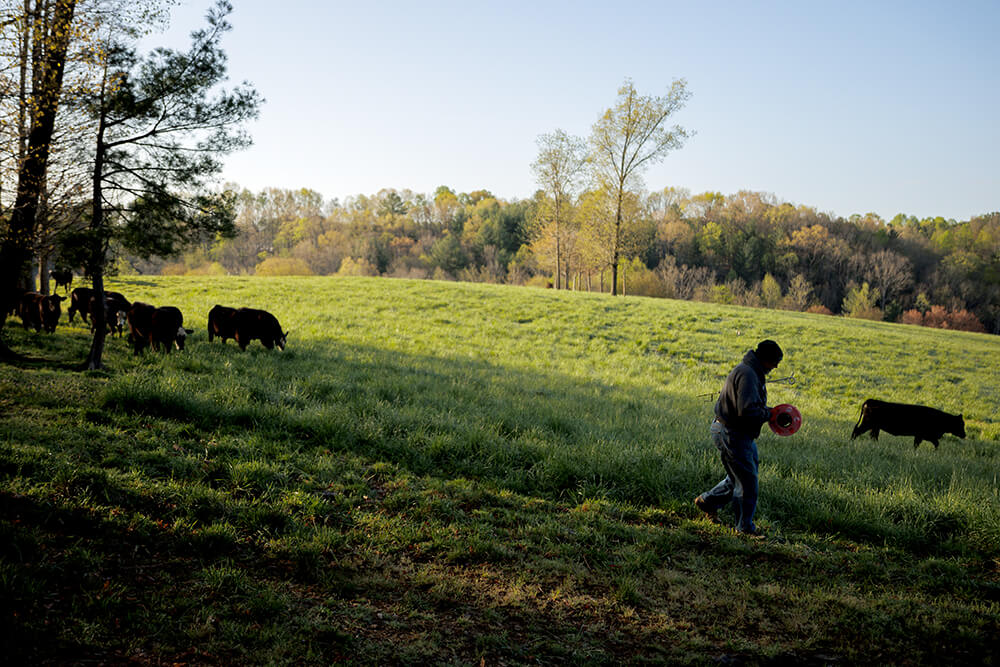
(739,458)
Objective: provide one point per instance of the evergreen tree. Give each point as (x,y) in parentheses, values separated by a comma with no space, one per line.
(162,123)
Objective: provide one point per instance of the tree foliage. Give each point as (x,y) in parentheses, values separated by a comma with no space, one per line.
(628,138)
(559,170)
(44,30)
(687,245)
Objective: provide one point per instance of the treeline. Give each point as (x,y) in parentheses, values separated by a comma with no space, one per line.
(746,248)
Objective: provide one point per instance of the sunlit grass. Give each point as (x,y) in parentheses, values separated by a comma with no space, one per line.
(436,463)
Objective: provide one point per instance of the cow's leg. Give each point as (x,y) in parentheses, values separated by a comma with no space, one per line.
(916,442)
(874,434)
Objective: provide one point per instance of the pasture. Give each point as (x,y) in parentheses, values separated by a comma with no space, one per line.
(452,473)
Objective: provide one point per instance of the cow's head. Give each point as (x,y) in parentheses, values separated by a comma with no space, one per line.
(280,340)
(181,336)
(958,426)
(51,308)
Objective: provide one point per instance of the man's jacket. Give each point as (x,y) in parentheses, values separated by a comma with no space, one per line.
(742,405)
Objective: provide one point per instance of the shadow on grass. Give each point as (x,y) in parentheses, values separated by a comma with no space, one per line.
(107,568)
(541,434)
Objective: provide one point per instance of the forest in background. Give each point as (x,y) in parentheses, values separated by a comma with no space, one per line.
(746,248)
(121,179)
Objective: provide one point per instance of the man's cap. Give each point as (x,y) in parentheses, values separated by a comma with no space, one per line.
(768,350)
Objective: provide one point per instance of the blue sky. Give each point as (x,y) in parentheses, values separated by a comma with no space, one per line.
(848,107)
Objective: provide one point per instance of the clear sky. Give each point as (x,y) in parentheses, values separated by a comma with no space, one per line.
(848,107)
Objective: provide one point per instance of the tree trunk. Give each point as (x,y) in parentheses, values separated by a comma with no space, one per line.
(98,253)
(99,321)
(44,266)
(558,259)
(15,252)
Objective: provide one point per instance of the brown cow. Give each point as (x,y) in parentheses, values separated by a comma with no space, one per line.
(221,323)
(920,421)
(40,311)
(251,323)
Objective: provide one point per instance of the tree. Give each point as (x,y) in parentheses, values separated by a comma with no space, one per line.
(770,292)
(558,169)
(628,138)
(821,257)
(797,297)
(50,38)
(391,204)
(448,255)
(889,272)
(162,123)
(860,303)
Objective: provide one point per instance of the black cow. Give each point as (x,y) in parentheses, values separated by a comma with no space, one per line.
(221,323)
(140,324)
(156,327)
(79,302)
(251,323)
(40,311)
(116,308)
(62,277)
(920,421)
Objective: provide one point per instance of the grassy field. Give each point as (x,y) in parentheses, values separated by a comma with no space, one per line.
(444,473)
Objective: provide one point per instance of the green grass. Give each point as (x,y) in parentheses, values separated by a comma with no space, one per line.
(444,473)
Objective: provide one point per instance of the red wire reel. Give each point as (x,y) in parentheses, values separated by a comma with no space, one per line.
(785,419)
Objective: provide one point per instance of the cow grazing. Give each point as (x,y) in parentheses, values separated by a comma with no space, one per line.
(920,421)
(116,308)
(156,327)
(63,278)
(251,323)
(168,328)
(221,323)
(40,311)
(79,302)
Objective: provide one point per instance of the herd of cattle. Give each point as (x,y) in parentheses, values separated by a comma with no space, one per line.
(163,327)
(159,328)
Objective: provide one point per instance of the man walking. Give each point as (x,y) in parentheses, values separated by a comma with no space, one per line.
(740,413)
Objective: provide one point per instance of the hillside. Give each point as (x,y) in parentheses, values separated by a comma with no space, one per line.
(438,472)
